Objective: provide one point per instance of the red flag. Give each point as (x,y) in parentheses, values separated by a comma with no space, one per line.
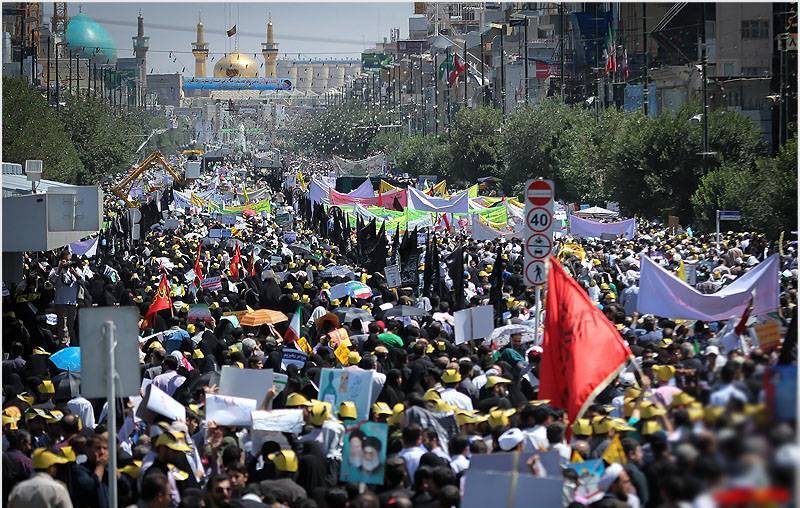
(198,267)
(237,258)
(741,326)
(160,302)
(252,268)
(583,351)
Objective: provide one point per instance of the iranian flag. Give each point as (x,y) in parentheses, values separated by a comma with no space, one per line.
(611,51)
(451,68)
(293,332)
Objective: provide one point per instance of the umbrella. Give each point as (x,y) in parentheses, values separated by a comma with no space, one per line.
(352,288)
(337,271)
(502,336)
(348,314)
(68,358)
(67,385)
(488,179)
(262,317)
(405,311)
(299,248)
(327,318)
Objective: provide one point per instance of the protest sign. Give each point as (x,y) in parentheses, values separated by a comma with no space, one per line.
(339,385)
(279,420)
(474,323)
(228,219)
(393,278)
(289,237)
(769,335)
(248,383)
(157,402)
(220,233)
(364,453)
(342,353)
(199,312)
(510,490)
(279,381)
(293,357)
(211,283)
(589,473)
(225,410)
(304,345)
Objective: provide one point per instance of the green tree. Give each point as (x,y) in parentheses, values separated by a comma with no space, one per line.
(475,144)
(424,155)
(32,130)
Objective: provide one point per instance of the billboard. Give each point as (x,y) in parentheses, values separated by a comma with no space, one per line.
(375,60)
(238,84)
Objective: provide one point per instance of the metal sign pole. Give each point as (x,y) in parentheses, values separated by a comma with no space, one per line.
(536,320)
(108,332)
(717,229)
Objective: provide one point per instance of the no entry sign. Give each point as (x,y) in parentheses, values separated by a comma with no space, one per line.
(540,192)
(538,230)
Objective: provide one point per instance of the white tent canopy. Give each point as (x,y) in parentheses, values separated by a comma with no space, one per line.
(596,212)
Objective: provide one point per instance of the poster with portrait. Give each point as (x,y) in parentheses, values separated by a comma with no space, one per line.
(364,453)
(339,385)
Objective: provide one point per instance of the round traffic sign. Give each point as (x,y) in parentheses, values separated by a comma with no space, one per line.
(538,246)
(539,219)
(540,192)
(535,273)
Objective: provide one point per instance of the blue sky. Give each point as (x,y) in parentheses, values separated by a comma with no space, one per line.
(315,30)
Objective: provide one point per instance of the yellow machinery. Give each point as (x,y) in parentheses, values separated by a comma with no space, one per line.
(192,152)
(123,188)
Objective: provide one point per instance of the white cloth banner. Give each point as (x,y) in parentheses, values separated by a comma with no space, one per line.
(319,191)
(458,203)
(484,232)
(181,199)
(279,420)
(664,295)
(364,190)
(588,228)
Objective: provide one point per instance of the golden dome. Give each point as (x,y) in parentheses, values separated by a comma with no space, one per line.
(236,65)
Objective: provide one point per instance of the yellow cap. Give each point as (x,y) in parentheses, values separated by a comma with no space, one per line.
(297,400)
(500,417)
(601,424)
(712,413)
(682,399)
(132,469)
(582,427)
(650,427)
(173,440)
(432,394)
(650,410)
(442,406)
(26,398)
(285,460)
(397,414)
(491,381)
(353,358)
(632,392)
(381,408)
(44,458)
(695,411)
(320,411)
(197,354)
(664,372)
(621,425)
(46,386)
(40,351)
(347,409)
(465,418)
(451,376)
(191,328)
(482,274)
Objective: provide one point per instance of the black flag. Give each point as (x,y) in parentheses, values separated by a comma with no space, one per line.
(455,266)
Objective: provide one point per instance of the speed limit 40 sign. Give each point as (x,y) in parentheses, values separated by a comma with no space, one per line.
(539,195)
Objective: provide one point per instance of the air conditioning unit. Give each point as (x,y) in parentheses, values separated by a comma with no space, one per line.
(33,170)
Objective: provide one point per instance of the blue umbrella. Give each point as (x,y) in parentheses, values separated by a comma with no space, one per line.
(68,358)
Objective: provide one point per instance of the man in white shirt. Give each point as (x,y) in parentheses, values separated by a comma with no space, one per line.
(170,380)
(412,449)
(723,395)
(450,379)
(535,420)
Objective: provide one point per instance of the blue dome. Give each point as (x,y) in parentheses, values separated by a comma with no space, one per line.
(90,39)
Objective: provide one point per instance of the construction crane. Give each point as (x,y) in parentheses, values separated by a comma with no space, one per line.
(123,188)
(32,22)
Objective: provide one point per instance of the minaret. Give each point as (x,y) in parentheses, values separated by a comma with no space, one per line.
(269,50)
(140,46)
(200,51)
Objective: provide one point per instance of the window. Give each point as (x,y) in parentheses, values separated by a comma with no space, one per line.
(727,69)
(755,29)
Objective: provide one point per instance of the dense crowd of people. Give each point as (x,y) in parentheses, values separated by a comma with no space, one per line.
(693,420)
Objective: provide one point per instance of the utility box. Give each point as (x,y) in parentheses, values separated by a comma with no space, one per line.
(43,222)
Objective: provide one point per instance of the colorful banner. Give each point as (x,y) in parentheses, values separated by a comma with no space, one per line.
(458,203)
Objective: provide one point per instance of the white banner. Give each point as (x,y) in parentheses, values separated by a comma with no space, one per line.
(459,203)
(663,294)
(279,420)
(224,410)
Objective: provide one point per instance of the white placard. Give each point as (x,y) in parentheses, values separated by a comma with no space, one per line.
(247,383)
(157,401)
(393,279)
(474,323)
(224,410)
(279,420)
